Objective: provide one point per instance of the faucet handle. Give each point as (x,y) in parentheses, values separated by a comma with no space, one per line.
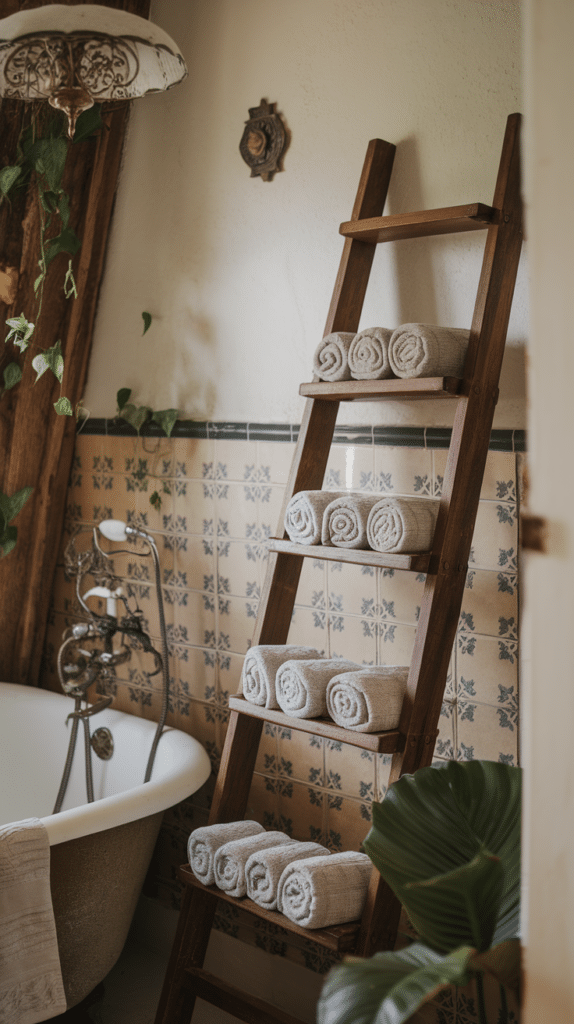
(111,597)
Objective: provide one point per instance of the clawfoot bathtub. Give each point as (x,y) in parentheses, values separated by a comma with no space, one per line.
(100,851)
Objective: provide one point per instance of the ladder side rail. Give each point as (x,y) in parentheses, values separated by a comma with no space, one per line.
(440,608)
(442,598)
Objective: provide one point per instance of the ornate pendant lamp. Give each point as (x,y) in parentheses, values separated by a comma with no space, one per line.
(77,56)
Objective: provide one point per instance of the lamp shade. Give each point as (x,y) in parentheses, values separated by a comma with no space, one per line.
(75,56)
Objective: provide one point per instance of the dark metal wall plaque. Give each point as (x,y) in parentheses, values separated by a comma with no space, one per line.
(263,141)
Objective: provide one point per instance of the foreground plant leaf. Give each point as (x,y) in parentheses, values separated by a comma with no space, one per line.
(12,375)
(10,506)
(436,823)
(21,330)
(64,407)
(389,987)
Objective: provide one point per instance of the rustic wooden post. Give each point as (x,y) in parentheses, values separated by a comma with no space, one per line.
(36,445)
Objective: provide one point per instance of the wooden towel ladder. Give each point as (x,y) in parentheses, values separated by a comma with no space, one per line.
(412,744)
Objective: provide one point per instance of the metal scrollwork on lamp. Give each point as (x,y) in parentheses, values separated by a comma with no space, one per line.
(80,55)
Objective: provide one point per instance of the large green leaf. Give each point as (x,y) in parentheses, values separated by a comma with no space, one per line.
(166,418)
(50,359)
(11,505)
(439,821)
(389,987)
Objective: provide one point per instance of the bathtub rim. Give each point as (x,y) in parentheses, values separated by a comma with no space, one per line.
(138,802)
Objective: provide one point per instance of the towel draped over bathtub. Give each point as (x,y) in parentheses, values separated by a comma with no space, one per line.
(31,985)
(260,668)
(204,842)
(324,891)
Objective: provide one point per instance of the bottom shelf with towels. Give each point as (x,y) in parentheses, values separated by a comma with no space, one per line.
(338,938)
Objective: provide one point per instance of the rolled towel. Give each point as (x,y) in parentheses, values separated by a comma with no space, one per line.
(324,891)
(345,520)
(402,524)
(231,859)
(265,867)
(422,350)
(204,842)
(304,515)
(260,668)
(301,686)
(369,354)
(331,359)
(368,700)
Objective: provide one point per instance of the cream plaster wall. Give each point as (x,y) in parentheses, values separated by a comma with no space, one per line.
(237,272)
(548,693)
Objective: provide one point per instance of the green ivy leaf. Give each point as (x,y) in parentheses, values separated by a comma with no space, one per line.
(8,537)
(12,374)
(21,330)
(122,397)
(155,500)
(136,415)
(66,241)
(166,419)
(89,121)
(51,359)
(48,156)
(146,317)
(64,407)
(8,176)
(11,505)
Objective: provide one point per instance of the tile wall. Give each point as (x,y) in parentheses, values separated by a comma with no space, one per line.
(213,500)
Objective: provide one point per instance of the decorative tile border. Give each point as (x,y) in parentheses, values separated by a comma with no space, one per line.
(392,437)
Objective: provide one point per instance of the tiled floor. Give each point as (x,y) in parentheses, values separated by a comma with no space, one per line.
(131,991)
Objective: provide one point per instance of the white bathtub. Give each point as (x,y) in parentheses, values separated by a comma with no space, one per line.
(100,852)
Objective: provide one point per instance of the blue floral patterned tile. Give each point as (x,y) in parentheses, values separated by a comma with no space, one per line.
(350,770)
(490,604)
(400,595)
(351,589)
(495,535)
(276,460)
(487,670)
(309,627)
(302,810)
(485,732)
(232,458)
(348,822)
(403,471)
(353,638)
(300,756)
(190,455)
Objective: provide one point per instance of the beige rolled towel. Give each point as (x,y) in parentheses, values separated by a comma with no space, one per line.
(204,842)
(301,686)
(402,524)
(324,891)
(265,867)
(369,354)
(304,515)
(231,859)
(368,700)
(423,350)
(261,666)
(345,520)
(331,358)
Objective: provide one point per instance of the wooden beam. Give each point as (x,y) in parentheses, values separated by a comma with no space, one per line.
(36,445)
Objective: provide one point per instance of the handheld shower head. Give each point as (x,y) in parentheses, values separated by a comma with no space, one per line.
(113,529)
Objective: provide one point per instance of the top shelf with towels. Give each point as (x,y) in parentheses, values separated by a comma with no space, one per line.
(445,221)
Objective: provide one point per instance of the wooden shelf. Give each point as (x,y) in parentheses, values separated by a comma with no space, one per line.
(445,221)
(416,562)
(234,1000)
(339,938)
(372,390)
(378,742)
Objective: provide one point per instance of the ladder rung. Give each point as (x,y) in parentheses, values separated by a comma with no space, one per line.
(445,221)
(234,1000)
(380,742)
(339,938)
(371,390)
(417,562)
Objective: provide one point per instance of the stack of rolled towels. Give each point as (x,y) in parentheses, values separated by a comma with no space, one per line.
(377,353)
(357,697)
(353,519)
(302,880)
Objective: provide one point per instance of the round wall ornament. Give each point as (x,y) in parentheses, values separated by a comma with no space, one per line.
(263,141)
